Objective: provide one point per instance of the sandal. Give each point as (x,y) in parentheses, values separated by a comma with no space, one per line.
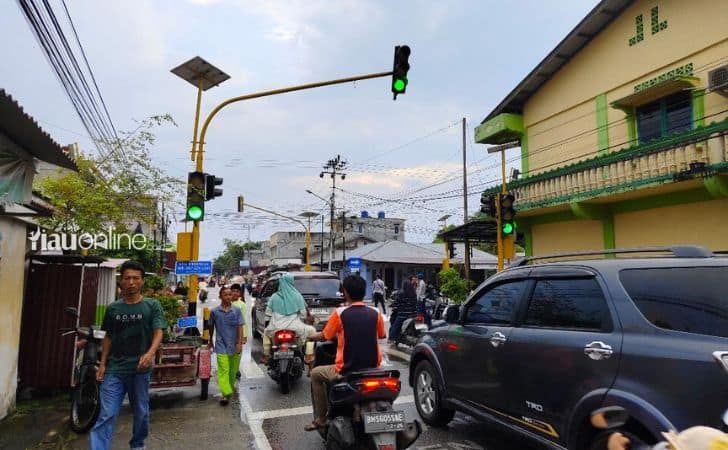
(314,425)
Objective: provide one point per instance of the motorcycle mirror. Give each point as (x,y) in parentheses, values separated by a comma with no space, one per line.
(609,417)
(71,310)
(452,314)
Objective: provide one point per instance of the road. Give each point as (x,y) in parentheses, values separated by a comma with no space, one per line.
(277,420)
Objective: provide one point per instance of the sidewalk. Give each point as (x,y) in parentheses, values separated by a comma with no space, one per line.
(179,420)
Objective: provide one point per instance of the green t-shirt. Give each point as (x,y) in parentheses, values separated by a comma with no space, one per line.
(131,328)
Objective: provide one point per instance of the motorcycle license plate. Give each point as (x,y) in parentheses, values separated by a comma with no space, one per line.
(383,422)
(283,355)
(421,327)
(320,311)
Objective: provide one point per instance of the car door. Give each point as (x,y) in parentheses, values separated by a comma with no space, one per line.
(565,346)
(270,287)
(473,350)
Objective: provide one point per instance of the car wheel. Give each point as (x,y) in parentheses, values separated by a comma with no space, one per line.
(428,397)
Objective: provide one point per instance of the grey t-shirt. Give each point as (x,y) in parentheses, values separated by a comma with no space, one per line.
(226,325)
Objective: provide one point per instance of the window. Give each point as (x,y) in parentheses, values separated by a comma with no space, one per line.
(567,303)
(666,116)
(318,287)
(396,229)
(689,299)
(497,305)
(361,228)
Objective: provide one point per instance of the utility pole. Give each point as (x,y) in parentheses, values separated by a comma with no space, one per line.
(323,221)
(333,168)
(465,209)
(343,239)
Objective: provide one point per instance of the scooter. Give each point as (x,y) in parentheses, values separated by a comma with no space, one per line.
(412,329)
(85,404)
(286,364)
(361,412)
(612,419)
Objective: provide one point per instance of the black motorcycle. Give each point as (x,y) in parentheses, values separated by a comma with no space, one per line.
(361,411)
(286,364)
(85,402)
(411,329)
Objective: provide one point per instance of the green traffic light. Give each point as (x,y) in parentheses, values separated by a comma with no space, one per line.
(507,228)
(399,85)
(194,212)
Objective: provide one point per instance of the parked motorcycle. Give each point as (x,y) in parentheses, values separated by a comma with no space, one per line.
(612,419)
(361,412)
(286,365)
(85,403)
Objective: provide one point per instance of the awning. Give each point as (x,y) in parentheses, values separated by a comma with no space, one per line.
(655,92)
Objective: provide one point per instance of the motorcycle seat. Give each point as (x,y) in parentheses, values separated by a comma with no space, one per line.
(369,373)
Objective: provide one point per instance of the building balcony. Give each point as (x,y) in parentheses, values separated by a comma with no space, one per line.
(699,152)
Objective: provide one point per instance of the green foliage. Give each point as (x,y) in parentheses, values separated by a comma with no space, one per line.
(452,285)
(173,308)
(235,251)
(154,282)
(438,239)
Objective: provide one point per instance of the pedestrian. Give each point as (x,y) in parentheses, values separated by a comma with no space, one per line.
(356,327)
(134,327)
(181,290)
(226,323)
(406,307)
(202,288)
(420,286)
(378,291)
(238,301)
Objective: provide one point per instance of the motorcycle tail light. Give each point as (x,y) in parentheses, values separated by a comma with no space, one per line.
(420,318)
(370,385)
(386,447)
(285,336)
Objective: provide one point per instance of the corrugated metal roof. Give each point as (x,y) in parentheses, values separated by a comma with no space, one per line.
(23,130)
(594,22)
(409,253)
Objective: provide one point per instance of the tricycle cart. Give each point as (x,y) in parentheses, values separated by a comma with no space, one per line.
(181,363)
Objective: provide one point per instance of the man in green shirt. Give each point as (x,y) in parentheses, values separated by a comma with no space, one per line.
(134,327)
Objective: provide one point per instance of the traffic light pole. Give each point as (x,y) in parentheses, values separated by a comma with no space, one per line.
(195,247)
(502,149)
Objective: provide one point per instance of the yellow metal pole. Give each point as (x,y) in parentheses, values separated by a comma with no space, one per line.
(274,92)
(195,247)
(307,267)
(446,260)
(498,208)
(197,122)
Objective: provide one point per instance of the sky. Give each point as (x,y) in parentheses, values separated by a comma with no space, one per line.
(466,57)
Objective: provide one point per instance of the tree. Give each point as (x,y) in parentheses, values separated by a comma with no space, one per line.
(438,239)
(122,185)
(235,251)
(452,285)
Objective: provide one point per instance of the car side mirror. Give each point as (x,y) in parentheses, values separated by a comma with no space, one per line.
(609,417)
(452,314)
(71,310)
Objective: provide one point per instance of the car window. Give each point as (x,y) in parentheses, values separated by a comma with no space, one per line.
(689,299)
(496,305)
(577,304)
(318,286)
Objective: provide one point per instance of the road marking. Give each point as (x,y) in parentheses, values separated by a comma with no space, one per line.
(303,410)
(256,425)
(249,367)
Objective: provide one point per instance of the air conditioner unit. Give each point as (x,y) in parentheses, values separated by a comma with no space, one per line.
(718,80)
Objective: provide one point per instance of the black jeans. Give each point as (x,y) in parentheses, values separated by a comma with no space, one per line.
(379,298)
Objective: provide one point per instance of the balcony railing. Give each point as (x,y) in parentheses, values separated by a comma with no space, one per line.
(626,169)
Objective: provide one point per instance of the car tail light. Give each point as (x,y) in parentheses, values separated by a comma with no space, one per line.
(285,336)
(372,384)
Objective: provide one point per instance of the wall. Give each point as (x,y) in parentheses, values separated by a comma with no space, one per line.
(12,281)
(561,118)
(573,235)
(702,223)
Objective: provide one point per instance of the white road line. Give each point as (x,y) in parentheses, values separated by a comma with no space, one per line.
(303,410)
(256,425)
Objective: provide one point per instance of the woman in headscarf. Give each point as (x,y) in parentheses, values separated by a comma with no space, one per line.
(406,307)
(286,310)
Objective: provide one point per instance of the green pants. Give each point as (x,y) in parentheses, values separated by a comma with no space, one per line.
(227,367)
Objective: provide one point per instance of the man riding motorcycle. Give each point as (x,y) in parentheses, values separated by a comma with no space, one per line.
(286,310)
(356,328)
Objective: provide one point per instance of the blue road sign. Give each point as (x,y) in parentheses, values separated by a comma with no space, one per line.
(193,268)
(187,322)
(354,263)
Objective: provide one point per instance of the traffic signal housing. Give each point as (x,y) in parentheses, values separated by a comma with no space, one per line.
(487,205)
(241,203)
(399,70)
(210,190)
(507,213)
(451,249)
(195,196)
(303,252)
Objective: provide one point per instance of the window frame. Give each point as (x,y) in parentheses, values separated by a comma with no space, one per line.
(662,102)
(528,287)
(607,325)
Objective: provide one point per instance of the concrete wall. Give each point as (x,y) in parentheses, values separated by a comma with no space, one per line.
(13,241)
(573,235)
(561,118)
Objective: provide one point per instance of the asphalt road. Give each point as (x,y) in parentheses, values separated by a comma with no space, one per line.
(277,420)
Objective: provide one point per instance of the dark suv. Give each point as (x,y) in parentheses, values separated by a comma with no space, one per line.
(321,290)
(537,348)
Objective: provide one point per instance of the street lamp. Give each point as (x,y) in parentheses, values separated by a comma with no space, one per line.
(308,215)
(317,196)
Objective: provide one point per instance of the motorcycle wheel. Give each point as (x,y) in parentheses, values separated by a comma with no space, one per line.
(635,442)
(285,382)
(85,404)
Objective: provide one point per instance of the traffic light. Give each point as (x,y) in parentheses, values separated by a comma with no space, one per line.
(487,204)
(451,249)
(507,213)
(241,203)
(210,190)
(195,196)
(302,252)
(399,71)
